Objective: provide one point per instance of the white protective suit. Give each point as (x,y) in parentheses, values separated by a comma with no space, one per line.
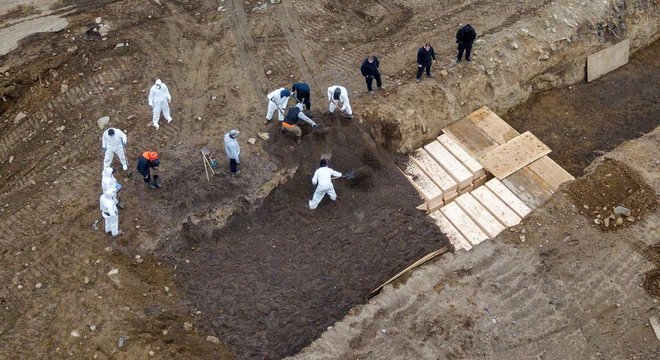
(275,100)
(114,145)
(108,206)
(108,181)
(231,146)
(323,181)
(159,100)
(343,98)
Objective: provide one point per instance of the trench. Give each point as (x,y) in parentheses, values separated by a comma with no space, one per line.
(586,120)
(275,278)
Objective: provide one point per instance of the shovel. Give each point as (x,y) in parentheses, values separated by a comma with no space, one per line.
(357,174)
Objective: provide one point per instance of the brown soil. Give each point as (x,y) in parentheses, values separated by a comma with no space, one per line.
(583,121)
(274,279)
(218,65)
(612,184)
(651,282)
(17,12)
(552,287)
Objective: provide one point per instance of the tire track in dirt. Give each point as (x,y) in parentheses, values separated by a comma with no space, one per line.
(246,47)
(295,38)
(29,132)
(192,79)
(43,234)
(46,223)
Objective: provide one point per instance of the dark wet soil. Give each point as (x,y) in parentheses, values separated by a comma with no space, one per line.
(274,279)
(581,122)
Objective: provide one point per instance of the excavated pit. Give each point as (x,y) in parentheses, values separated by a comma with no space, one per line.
(253,267)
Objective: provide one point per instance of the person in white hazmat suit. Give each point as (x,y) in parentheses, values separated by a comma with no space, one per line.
(277,100)
(159,100)
(323,181)
(108,182)
(233,151)
(339,95)
(113,142)
(110,213)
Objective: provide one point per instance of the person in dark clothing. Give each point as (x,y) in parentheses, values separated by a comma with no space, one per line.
(465,37)
(369,70)
(425,58)
(293,118)
(146,161)
(302,92)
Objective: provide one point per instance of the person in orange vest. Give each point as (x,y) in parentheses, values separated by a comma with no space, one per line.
(146,161)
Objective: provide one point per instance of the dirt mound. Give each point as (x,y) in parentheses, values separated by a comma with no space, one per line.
(274,279)
(612,184)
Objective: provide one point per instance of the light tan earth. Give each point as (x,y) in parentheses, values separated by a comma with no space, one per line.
(219,59)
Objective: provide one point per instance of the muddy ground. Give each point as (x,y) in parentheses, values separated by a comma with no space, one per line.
(219,60)
(274,279)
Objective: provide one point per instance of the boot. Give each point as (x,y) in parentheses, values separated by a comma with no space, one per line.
(155,181)
(152,185)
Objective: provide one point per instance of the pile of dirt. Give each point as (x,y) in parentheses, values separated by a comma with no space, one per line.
(274,279)
(613,184)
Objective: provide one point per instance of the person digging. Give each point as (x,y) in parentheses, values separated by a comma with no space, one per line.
(294,118)
(323,177)
(145,162)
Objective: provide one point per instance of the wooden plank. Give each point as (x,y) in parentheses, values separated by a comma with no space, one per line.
(451,165)
(430,192)
(480,215)
(468,161)
(496,206)
(529,187)
(551,172)
(656,326)
(469,138)
(480,181)
(466,190)
(427,257)
(497,130)
(451,198)
(514,155)
(508,197)
(480,132)
(435,172)
(463,223)
(455,237)
(608,59)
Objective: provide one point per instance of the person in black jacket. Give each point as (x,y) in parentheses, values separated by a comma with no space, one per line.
(145,162)
(425,58)
(302,92)
(369,70)
(465,37)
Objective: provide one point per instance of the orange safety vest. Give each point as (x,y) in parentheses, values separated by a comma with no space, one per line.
(150,155)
